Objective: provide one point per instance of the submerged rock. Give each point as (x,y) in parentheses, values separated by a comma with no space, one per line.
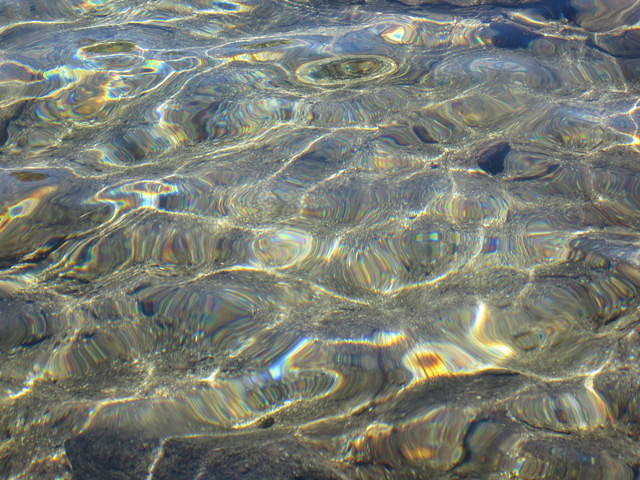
(122,455)
(110,455)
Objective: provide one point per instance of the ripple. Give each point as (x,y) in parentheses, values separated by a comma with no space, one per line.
(544,241)
(238,400)
(464,71)
(114,46)
(482,331)
(476,111)
(572,129)
(619,389)
(418,441)
(469,205)
(345,70)
(427,362)
(342,109)
(622,44)
(199,120)
(435,126)
(562,411)
(299,369)
(151,241)
(111,75)
(567,303)
(535,241)
(618,192)
(13,71)
(545,457)
(282,248)
(603,15)
(401,33)
(352,199)
(394,259)
(23,323)
(527,166)
(400,148)
(92,352)
(320,160)
(618,257)
(221,316)
(53,199)
(406,231)
(551,458)
(347,201)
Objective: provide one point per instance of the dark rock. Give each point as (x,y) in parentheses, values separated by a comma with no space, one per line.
(422,134)
(491,159)
(110,455)
(267,423)
(509,35)
(254,456)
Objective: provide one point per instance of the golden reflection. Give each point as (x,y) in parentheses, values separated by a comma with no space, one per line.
(433,360)
(482,334)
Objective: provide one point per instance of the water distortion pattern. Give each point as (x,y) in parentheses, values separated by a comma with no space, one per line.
(314,239)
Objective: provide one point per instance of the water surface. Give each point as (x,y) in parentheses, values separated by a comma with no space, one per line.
(313,239)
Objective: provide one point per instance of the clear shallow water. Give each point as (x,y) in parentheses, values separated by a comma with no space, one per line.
(315,239)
